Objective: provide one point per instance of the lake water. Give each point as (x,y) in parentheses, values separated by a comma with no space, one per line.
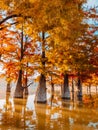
(57,114)
(23,114)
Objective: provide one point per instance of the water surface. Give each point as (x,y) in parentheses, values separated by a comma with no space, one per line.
(23,114)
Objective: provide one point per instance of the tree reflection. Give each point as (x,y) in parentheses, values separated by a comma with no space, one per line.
(51,117)
(40,110)
(22,115)
(6,114)
(8,103)
(19,112)
(16,115)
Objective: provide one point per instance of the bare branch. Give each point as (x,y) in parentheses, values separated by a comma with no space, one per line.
(27,85)
(8,17)
(30,84)
(8,26)
(13,16)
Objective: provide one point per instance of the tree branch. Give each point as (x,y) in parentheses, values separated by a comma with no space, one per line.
(9,17)
(8,26)
(30,84)
(13,16)
(27,85)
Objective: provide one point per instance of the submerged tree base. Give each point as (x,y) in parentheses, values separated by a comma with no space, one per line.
(26,92)
(67,98)
(79,98)
(42,102)
(79,95)
(41,91)
(66,95)
(40,96)
(18,94)
(19,88)
(8,89)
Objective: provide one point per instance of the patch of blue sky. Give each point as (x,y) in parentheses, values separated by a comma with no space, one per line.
(91,21)
(92,3)
(46,34)
(96,33)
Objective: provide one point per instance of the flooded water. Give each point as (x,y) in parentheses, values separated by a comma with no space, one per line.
(24,114)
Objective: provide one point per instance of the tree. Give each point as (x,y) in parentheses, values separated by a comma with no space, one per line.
(53,18)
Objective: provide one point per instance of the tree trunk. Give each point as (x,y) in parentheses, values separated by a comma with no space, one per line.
(79,94)
(52,87)
(8,103)
(90,89)
(65,93)
(52,90)
(19,90)
(41,90)
(96,89)
(8,89)
(72,90)
(87,90)
(26,92)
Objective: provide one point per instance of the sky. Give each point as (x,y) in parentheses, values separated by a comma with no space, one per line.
(92,3)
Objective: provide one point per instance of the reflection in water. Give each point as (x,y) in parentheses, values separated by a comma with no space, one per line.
(6,115)
(41,116)
(15,114)
(23,114)
(19,113)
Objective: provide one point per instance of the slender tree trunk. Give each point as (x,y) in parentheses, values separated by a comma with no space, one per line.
(19,90)
(79,94)
(96,89)
(65,93)
(90,90)
(26,92)
(52,90)
(52,87)
(41,91)
(8,103)
(87,89)
(72,90)
(8,89)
